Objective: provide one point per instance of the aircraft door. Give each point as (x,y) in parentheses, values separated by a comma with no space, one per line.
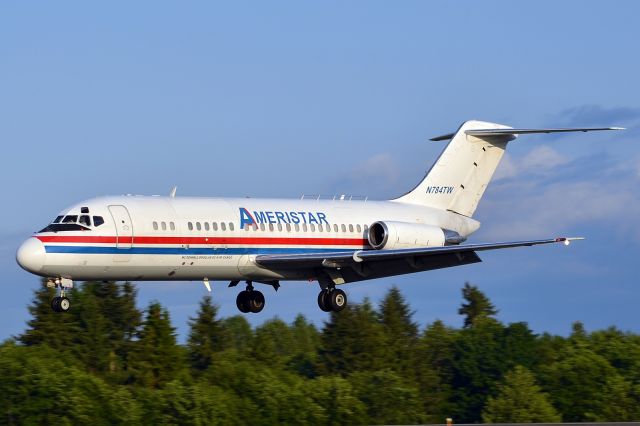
(124,228)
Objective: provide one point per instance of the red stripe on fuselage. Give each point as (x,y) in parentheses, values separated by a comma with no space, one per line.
(204,240)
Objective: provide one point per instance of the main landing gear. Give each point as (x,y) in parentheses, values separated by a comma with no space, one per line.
(250,300)
(60,303)
(332,299)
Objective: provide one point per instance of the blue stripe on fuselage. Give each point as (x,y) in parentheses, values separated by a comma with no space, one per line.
(188,251)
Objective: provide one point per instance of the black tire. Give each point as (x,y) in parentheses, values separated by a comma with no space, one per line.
(256,301)
(241,302)
(64,304)
(55,304)
(338,300)
(323,301)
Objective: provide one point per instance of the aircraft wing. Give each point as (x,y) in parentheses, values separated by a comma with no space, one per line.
(366,264)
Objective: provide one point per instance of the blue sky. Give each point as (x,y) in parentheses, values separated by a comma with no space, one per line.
(276,99)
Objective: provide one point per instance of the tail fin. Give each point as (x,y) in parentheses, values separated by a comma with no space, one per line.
(459,177)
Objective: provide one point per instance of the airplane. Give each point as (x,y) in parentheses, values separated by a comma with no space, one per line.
(331,241)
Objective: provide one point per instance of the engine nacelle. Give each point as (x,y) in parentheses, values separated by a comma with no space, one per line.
(400,235)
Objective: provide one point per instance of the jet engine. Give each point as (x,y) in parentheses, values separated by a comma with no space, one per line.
(399,235)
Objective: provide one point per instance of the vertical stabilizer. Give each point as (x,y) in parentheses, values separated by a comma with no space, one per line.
(459,177)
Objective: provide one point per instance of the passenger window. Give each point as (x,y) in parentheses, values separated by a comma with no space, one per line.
(58,219)
(85,220)
(70,219)
(262,227)
(254,226)
(312,227)
(350,228)
(297,228)
(231,227)
(206,226)
(335,227)
(359,228)
(280,227)
(366,228)
(163,225)
(98,220)
(215,226)
(155,226)
(223,226)
(190,226)
(319,228)
(171,225)
(198,227)
(288,227)
(271,227)
(304,227)
(344,228)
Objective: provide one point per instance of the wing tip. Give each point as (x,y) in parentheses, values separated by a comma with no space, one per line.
(567,240)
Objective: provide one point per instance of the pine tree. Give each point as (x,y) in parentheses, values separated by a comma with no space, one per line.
(401,333)
(479,365)
(519,400)
(307,343)
(55,329)
(239,332)
(156,358)
(354,340)
(206,336)
(436,362)
(478,305)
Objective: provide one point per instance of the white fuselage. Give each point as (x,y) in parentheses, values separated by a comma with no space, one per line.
(183,238)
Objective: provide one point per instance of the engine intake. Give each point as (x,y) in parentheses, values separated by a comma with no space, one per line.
(397,235)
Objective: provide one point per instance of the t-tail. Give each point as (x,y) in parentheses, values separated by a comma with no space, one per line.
(459,177)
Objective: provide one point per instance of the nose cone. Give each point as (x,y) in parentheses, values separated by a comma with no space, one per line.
(30,255)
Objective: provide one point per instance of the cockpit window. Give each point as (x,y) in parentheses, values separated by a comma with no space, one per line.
(98,220)
(70,219)
(57,227)
(85,220)
(57,219)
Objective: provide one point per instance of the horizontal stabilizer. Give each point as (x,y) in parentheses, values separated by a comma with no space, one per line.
(515,132)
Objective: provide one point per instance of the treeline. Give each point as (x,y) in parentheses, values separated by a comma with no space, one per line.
(106,362)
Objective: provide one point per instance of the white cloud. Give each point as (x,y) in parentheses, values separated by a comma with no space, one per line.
(529,207)
(539,160)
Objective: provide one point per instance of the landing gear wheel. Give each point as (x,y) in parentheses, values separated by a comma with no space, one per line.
(242,302)
(323,298)
(337,300)
(256,301)
(63,304)
(55,304)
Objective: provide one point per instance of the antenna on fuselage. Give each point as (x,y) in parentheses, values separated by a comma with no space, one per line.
(172,194)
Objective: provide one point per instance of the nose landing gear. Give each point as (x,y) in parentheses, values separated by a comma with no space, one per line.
(60,303)
(332,300)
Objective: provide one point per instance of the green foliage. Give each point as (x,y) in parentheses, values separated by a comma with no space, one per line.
(39,386)
(354,340)
(519,400)
(389,399)
(401,333)
(477,307)
(156,358)
(436,370)
(102,363)
(585,387)
(207,336)
(336,395)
